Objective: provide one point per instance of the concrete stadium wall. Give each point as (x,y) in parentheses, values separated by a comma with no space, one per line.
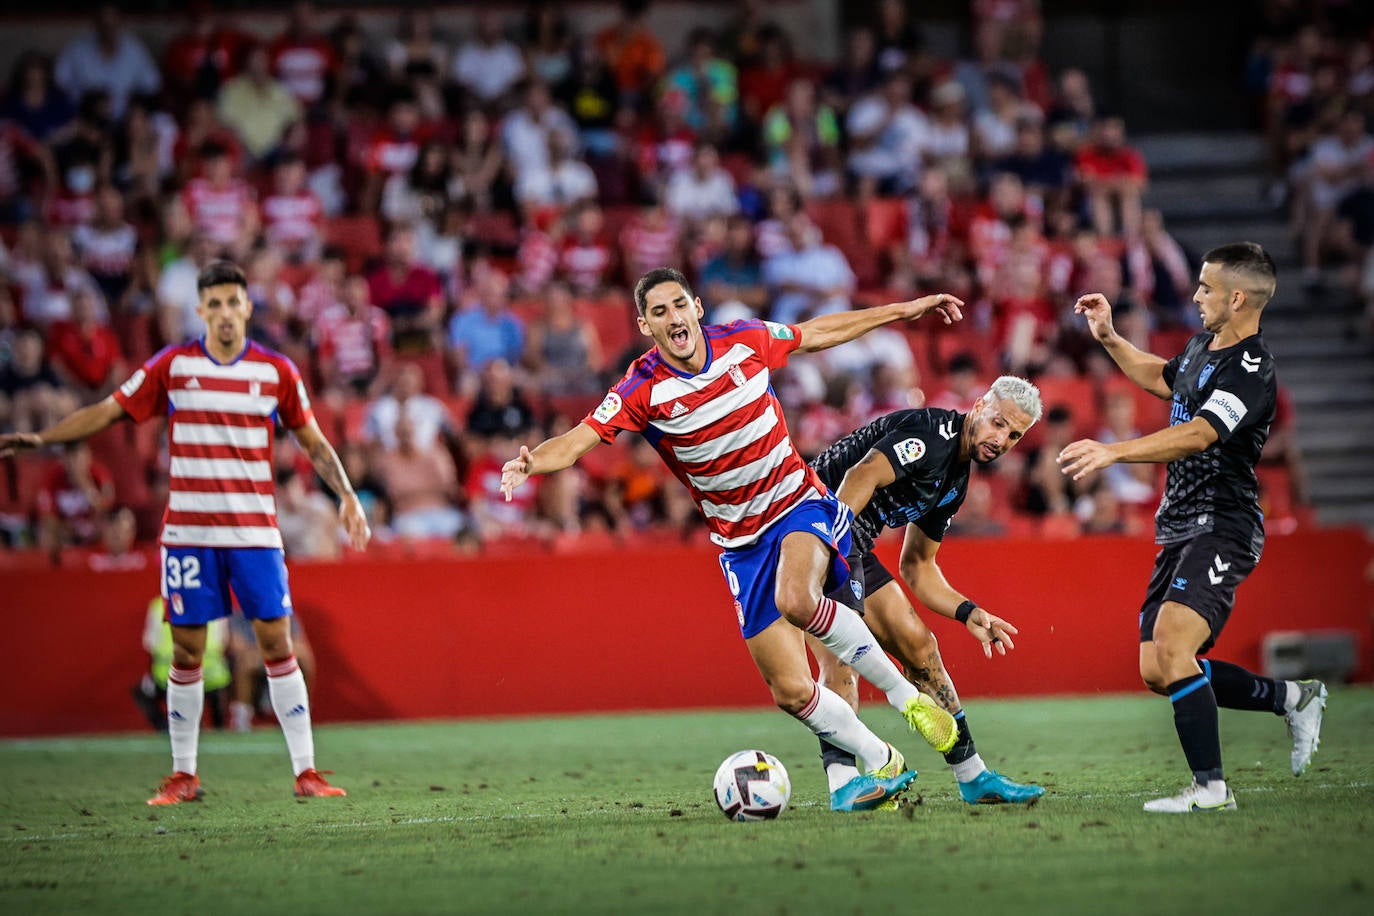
(645,628)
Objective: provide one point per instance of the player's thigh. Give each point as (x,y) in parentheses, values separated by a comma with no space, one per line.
(779,653)
(1209,569)
(802,560)
(258,578)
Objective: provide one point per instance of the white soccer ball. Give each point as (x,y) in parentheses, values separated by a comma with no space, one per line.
(752,786)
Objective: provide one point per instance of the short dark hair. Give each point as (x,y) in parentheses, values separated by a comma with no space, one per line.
(218,273)
(1251,264)
(654,278)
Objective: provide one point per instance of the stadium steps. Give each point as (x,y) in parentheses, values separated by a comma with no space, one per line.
(1210,188)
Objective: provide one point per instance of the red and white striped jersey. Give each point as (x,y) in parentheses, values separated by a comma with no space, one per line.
(292,220)
(220,421)
(218,212)
(721,432)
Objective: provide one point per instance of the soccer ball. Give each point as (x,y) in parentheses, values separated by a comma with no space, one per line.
(752,786)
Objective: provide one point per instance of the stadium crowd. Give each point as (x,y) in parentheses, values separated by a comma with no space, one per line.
(441,230)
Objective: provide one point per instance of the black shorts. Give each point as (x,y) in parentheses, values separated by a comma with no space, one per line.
(1202,574)
(867,574)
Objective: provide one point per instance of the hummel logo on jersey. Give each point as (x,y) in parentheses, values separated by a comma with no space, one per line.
(947,430)
(193,383)
(678,409)
(297,710)
(1219,573)
(1250,363)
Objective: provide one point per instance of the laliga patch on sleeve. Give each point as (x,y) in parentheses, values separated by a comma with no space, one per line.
(780,331)
(134,383)
(609,408)
(909,451)
(1227,408)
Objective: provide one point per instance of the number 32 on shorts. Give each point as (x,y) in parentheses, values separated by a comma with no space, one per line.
(183,572)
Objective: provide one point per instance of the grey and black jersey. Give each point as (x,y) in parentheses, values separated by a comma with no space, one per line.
(923,447)
(1235,390)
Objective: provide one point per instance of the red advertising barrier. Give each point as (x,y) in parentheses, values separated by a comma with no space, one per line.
(638,629)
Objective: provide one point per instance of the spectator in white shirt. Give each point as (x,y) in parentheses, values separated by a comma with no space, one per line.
(701,191)
(887,138)
(488,66)
(525,131)
(109,58)
(811,279)
(566,180)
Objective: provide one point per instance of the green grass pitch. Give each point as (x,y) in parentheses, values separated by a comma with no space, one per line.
(614,814)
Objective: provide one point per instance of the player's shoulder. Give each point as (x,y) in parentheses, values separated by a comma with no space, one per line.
(748,327)
(642,372)
(257,353)
(1252,357)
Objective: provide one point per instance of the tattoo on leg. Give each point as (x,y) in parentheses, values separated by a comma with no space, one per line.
(932,679)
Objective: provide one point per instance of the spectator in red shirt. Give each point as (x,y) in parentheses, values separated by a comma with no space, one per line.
(77,491)
(201,127)
(394,148)
(84,351)
(1114,175)
(302,58)
(587,261)
(292,215)
(408,292)
(219,205)
(764,83)
(199,60)
(354,342)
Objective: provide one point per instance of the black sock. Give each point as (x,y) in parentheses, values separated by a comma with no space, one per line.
(1236,688)
(1195,719)
(832,754)
(963,748)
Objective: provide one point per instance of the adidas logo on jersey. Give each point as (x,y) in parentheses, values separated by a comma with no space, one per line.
(678,409)
(193,383)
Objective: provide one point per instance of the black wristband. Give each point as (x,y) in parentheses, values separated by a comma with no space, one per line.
(963,610)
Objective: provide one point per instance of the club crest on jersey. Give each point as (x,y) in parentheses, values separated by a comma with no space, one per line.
(737,376)
(909,451)
(1207,371)
(609,408)
(255,388)
(178,607)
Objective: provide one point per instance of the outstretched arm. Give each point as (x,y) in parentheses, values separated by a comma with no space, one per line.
(1145,369)
(550,455)
(76,425)
(927,582)
(331,471)
(1087,455)
(825,331)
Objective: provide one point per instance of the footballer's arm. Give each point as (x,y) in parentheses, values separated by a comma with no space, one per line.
(860,481)
(922,574)
(77,425)
(825,331)
(548,456)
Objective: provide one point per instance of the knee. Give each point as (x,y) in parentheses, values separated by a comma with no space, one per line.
(792,694)
(183,657)
(275,647)
(797,603)
(1154,679)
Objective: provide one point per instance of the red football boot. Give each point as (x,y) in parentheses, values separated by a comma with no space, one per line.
(310,784)
(177,788)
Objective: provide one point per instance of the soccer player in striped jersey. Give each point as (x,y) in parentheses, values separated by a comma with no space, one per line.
(222,396)
(703,398)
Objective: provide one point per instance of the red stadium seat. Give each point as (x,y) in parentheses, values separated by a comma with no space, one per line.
(614,321)
(359,236)
(1079,395)
(884,221)
(435,371)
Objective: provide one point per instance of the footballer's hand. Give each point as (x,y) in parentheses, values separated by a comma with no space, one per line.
(354,521)
(1098,311)
(949,307)
(1083,457)
(515,472)
(992,631)
(10,443)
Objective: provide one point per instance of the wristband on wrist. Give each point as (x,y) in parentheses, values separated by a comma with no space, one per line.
(965,608)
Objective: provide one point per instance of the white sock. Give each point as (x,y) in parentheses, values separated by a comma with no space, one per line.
(829,716)
(843,632)
(968,770)
(1292,693)
(837,774)
(185,704)
(1214,791)
(286,686)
